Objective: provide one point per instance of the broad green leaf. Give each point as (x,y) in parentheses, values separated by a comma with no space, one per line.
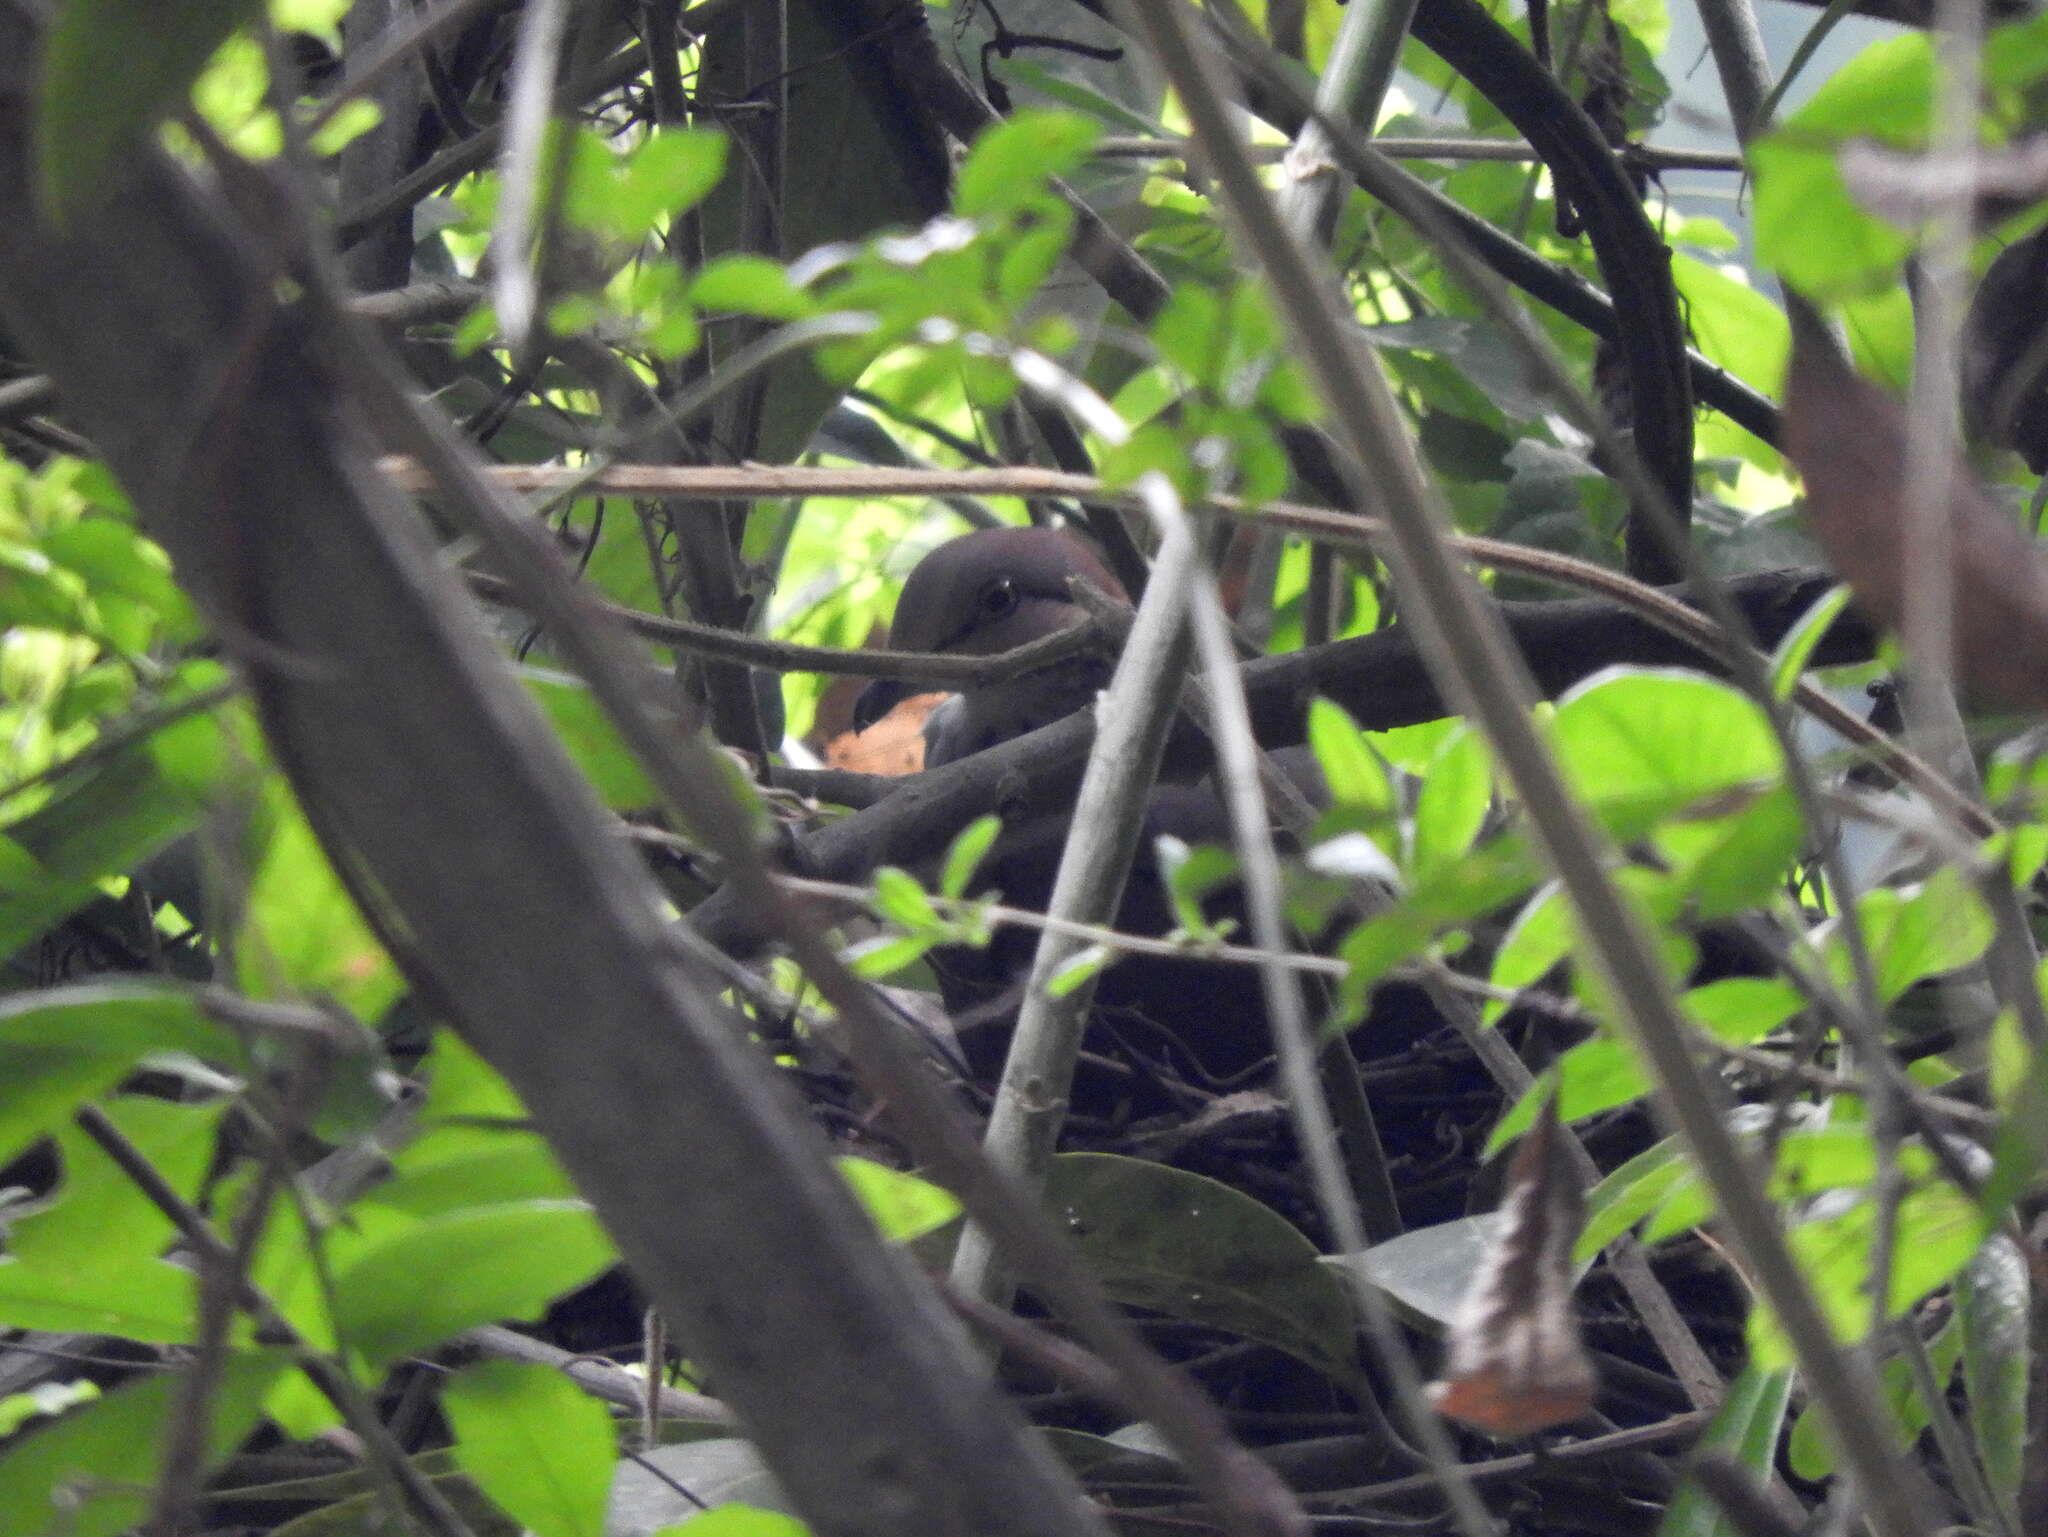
(1642,743)
(1734,326)
(154,48)
(91,1473)
(1592,1076)
(625,194)
(537,1444)
(104,818)
(1740,1011)
(1732,860)
(1939,1228)
(738,1521)
(1939,927)
(1487,878)
(1010,163)
(63,1046)
(492,1168)
(1538,939)
(1189,1247)
(902,1206)
(1746,1429)
(430,1280)
(91,1260)
(745,284)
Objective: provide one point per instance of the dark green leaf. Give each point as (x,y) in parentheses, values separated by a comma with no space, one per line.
(1187,1246)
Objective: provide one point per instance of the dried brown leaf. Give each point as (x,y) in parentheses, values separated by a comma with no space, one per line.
(1848,437)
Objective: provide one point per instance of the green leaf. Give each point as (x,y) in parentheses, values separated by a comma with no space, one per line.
(742,283)
(1629,1194)
(91,1473)
(592,740)
(1795,649)
(1457,790)
(485,1166)
(965,854)
(1474,884)
(902,900)
(1353,771)
(902,1206)
(1993,1296)
(1642,743)
(104,818)
(1740,1011)
(1939,1229)
(738,1521)
(1807,1452)
(90,1261)
(1189,1247)
(879,959)
(301,932)
(1727,862)
(1078,968)
(154,48)
(536,1443)
(1745,1428)
(1010,163)
(409,1290)
(1538,939)
(1939,927)
(63,1046)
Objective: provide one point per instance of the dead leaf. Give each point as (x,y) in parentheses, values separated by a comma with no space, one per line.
(1848,437)
(1514,1361)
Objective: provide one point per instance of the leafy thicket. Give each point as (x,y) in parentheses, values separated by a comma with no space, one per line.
(193,987)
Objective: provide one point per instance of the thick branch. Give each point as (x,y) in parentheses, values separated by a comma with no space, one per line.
(440,790)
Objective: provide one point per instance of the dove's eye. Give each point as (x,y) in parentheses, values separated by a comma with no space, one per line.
(998,598)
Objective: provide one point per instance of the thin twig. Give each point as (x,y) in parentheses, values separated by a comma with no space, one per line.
(1470,652)
(427,1502)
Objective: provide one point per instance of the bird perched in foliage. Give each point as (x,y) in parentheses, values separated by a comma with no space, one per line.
(989,592)
(983,594)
